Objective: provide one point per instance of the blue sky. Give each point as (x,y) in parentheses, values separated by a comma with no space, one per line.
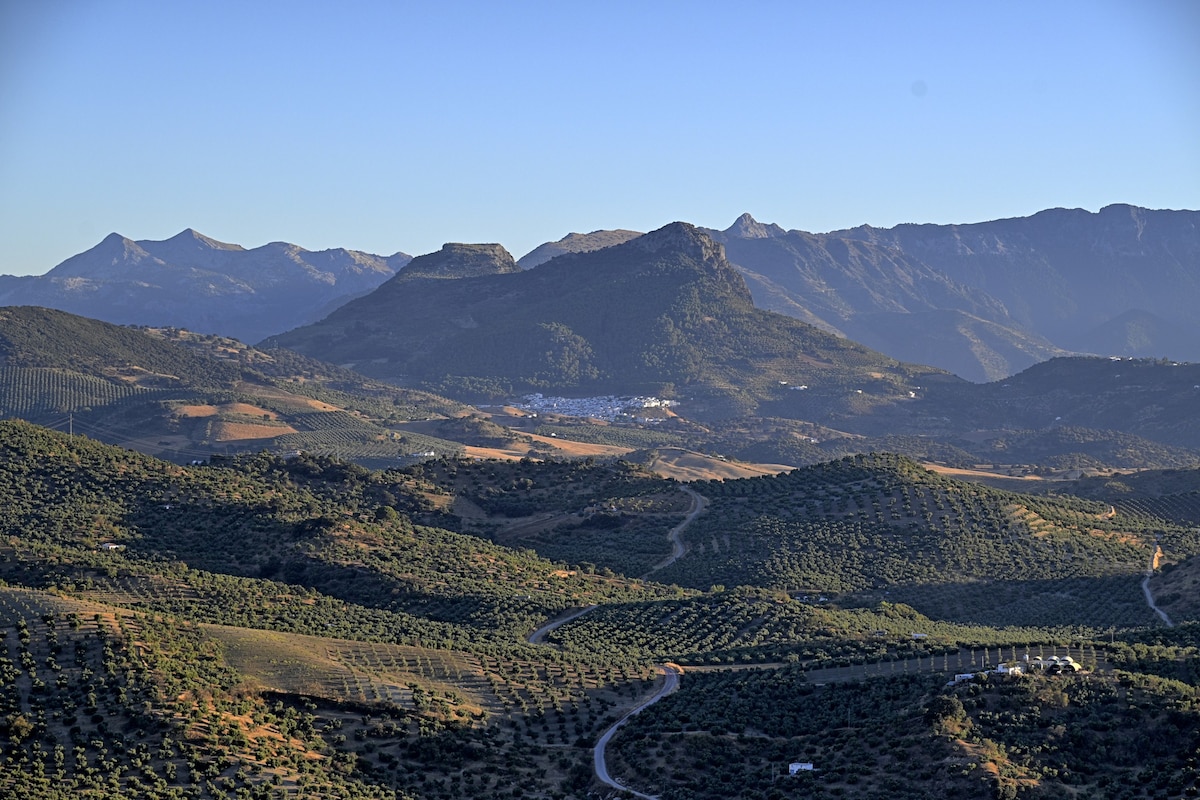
(401,125)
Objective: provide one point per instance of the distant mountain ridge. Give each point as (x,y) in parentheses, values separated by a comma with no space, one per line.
(575,243)
(1122,281)
(982,300)
(196,282)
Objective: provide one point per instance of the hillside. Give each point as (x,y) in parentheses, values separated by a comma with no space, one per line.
(332,625)
(882,527)
(326,525)
(662,313)
(265,627)
(865,529)
(186,396)
(194,282)
(989,299)
(1149,398)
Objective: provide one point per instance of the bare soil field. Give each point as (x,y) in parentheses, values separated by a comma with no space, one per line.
(686,465)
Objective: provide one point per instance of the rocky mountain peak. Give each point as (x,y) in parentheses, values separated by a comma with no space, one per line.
(190,248)
(747,227)
(114,253)
(683,238)
(193,281)
(456,260)
(576,243)
(193,237)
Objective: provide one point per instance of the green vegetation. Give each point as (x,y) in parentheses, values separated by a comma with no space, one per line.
(271,627)
(875,521)
(750,626)
(291,624)
(330,526)
(733,734)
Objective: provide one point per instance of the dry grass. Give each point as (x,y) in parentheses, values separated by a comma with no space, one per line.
(246,408)
(226,431)
(195,411)
(285,399)
(563,448)
(685,465)
(995,479)
(343,670)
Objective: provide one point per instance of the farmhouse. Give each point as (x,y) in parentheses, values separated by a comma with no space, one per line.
(1003,669)
(797,767)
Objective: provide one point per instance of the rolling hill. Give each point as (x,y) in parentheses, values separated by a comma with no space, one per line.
(187,396)
(265,627)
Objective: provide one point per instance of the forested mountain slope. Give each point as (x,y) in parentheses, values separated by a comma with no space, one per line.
(664,312)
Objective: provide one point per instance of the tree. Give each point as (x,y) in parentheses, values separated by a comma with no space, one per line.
(945,710)
(18,727)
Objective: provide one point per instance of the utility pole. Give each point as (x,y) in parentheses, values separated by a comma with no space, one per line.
(71,423)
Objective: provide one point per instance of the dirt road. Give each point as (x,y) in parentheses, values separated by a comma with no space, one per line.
(1146,587)
(677,547)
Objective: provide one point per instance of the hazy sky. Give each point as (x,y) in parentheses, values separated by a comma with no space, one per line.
(385,126)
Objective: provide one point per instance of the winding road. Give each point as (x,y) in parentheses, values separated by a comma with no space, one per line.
(539,636)
(670,673)
(677,547)
(1146,587)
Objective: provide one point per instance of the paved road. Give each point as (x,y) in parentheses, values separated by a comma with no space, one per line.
(670,673)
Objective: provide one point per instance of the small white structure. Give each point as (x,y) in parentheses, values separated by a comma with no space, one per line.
(112,546)
(797,767)
(1003,669)
(1055,664)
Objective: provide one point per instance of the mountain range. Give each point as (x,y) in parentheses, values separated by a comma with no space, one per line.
(194,282)
(982,300)
(664,314)
(986,300)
